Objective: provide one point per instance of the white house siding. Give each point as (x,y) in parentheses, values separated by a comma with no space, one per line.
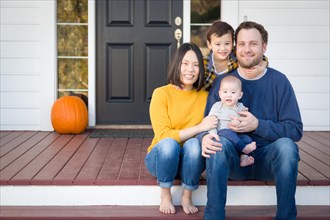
(298,46)
(27,64)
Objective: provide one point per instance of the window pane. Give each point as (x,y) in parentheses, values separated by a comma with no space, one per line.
(65,93)
(72,46)
(72,40)
(205,11)
(198,37)
(73,73)
(72,11)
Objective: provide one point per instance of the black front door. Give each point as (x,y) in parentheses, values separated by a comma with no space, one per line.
(135,42)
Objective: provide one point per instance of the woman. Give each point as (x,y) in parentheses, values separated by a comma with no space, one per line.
(176,113)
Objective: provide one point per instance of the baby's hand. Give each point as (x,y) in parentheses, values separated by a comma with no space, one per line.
(234,122)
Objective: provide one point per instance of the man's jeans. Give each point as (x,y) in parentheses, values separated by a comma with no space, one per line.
(277,161)
(167,160)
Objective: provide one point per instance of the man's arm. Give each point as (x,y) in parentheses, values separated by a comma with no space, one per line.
(209,146)
(213,96)
(289,123)
(284,118)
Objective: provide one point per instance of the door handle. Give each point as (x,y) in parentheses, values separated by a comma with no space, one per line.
(178,36)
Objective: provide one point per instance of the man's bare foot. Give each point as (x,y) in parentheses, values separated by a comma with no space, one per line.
(246,160)
(249,148)
(186,202)
(166,205)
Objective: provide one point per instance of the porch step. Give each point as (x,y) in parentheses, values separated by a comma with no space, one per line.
(136,195)
(149,212)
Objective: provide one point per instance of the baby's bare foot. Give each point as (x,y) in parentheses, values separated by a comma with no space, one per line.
(249,148)
(186,202)
(166,205)
(246,160)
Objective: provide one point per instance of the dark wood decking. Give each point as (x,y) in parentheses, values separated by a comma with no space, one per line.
(149,212)
(48,158)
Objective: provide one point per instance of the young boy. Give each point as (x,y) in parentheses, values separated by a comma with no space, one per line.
(221,59)
(230,92)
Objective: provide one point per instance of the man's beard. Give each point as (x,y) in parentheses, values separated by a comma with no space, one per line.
(250,64)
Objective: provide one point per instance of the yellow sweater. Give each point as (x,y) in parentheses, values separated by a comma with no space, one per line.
(172,110)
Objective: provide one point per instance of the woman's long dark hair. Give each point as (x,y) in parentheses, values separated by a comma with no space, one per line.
(174,70)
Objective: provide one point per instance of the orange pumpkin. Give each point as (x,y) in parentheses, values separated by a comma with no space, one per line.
(69,115)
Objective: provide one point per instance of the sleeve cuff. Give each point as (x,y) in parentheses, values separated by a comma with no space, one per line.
(261,129)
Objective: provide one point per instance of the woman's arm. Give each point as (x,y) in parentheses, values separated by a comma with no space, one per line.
(208,123)
(159,117)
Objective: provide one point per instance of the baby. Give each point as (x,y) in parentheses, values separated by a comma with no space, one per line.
(230,92)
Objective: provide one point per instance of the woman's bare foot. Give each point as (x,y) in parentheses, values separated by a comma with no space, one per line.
(246,160)
(249,148)
(166,205)
(186,202)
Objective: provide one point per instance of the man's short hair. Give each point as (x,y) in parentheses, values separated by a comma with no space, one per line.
(249,25)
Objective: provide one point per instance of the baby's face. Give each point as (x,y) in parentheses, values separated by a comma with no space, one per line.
(230,93)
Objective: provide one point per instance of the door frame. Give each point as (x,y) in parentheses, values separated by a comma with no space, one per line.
(231,7)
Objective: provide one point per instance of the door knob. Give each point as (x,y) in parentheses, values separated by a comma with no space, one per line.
(178,36)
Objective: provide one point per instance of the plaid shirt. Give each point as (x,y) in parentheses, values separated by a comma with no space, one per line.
(210,74)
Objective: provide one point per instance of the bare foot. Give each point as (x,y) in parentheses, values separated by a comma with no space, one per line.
(246,160)
(166,205)
(249,148)
(186,202)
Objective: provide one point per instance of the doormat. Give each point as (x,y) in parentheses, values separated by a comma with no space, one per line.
(122,133)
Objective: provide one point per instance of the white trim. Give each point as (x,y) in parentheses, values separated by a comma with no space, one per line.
(316,128)
(48,67)
(186,21)
(72,57)
(91,63)
(148,195)
(74,24)
(75,90)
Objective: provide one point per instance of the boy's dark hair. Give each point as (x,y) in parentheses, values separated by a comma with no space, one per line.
(249,25)
(219,28)
(174,70)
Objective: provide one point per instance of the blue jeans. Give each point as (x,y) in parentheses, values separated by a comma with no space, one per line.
(277,161)
(167,160)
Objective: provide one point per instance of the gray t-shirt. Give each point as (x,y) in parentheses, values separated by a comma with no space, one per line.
(224,113)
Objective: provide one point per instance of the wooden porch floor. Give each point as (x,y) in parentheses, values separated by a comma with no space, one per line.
(48,158)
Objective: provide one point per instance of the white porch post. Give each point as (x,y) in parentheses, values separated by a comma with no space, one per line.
(48,68)
(91,64)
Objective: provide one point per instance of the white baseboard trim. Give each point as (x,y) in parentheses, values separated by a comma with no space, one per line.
(147,195)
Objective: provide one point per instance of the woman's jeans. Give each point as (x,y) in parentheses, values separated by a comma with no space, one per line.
(277,161)
(167,160)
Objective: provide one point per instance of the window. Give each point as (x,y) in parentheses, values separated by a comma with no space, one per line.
(72,47)
(203,14)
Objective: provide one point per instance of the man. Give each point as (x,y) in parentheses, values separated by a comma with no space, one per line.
(273,122)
